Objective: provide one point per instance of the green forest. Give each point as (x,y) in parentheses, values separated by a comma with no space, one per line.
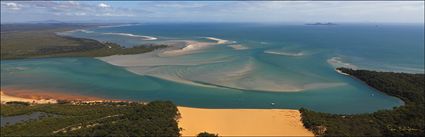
(406,120)
(45,42)
(157,118)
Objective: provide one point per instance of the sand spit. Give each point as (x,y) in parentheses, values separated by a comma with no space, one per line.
(337,62)
(191,47)
(132,35)
(340,72)
(285,53)
(218,41)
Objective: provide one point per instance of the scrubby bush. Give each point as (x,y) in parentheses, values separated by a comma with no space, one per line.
(407,120)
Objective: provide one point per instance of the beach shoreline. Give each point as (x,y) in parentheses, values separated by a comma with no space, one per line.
(8,98)
(340,72)
(45,97)
(225,122)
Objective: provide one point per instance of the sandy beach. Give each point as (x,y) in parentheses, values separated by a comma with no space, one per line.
(225,122)
(41,97)
(242,122)
(6,98)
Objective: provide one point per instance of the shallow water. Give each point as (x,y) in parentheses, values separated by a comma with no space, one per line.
(11,120)
(291,66)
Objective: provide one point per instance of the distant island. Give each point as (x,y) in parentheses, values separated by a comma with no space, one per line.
(322,24)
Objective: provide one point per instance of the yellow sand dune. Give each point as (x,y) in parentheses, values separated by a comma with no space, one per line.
(242,122)
(6,98)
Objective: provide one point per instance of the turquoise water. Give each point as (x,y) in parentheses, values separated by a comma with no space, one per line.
(259,66)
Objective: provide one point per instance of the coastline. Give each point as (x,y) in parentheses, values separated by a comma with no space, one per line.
(225,122)
(340,72)
(8,98)
(44,97)
(51,42)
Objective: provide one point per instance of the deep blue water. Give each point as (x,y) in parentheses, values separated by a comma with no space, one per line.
(291,66)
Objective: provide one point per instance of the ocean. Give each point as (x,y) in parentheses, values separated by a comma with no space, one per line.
(234,65)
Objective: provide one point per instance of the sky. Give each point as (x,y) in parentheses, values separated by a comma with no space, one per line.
(214,11)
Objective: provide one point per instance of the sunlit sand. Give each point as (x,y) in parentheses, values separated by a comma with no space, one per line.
(242,122)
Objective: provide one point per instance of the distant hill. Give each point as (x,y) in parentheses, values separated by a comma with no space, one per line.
(322,24)
(46,22)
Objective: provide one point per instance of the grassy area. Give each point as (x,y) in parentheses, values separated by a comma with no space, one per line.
(40,40)
(107,49)
(407,120)
(158,118)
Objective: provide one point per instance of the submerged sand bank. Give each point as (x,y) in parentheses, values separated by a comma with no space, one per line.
(242,122)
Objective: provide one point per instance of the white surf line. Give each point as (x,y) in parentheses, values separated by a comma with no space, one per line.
(284,53)
(86,31)
(340,72)
(131,35)
(218,41)
(72,31)
(336,62)
(238,47)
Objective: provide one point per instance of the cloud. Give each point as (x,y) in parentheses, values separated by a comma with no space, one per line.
(114,15)
(220,11)
(11,5)
(71,14)
(309,11)
(103,5)
(179,5)
(172,4)
(71,8)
